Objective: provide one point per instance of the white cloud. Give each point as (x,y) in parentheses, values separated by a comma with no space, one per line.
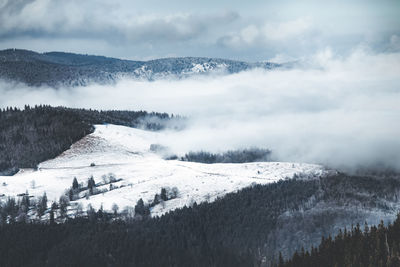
(292,37)
(286,30)
(249,34)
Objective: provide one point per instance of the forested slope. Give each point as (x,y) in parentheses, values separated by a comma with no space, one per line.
(247,228)
(363,245)
(32,135)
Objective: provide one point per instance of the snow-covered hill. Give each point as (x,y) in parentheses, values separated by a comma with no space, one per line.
(125,154)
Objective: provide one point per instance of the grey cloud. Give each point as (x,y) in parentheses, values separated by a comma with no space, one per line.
(394,44)
(13,7)
(65,19)
(179,28)
(254,31)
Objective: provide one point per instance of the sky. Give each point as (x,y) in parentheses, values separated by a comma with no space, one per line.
(254,30)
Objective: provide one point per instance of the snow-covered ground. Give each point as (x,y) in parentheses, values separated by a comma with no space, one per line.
(125,152)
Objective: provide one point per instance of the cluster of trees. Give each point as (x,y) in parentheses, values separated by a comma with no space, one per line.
(19,210)
(165,195)
(371,246)
(35,134)
(91,188)
(232,156)
(142,210)
(26,208)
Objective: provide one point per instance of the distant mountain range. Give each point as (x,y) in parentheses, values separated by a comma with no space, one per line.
(57,69)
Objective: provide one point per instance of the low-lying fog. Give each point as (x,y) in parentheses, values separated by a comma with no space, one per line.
(343,112)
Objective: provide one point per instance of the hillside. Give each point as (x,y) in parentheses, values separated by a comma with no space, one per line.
(359,246)
(124,153)
(33,135)
(251,210)
(57,69)
(246,228)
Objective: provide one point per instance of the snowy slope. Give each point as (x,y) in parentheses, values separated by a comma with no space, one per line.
(126,153)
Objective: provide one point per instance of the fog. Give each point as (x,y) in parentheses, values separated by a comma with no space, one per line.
(343,112)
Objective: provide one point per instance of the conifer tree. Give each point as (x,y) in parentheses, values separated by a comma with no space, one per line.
(163,195)
(75,184)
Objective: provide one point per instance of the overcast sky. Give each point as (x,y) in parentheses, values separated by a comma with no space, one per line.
(248,30)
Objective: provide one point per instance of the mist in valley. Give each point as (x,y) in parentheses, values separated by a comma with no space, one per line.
(339,111)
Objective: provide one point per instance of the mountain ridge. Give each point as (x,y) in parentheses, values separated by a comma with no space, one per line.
(57,69)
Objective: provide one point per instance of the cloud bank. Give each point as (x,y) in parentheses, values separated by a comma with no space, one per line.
(342,111)
(255,31)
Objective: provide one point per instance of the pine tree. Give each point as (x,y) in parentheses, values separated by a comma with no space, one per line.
(156,200)
(71,194)
(52,210)
(281,262)
(64,202)
(25,203)
(41,205)
(139,208)
(91,213)
(75,184)
(91,185)
(163,194)
(100,213)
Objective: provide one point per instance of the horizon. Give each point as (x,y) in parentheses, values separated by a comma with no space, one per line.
(96,55)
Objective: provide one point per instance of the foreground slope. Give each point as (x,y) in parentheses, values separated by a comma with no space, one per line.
(124,153)
(246,228)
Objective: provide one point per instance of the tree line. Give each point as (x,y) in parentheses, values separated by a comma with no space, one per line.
(29,209)
(231,156)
